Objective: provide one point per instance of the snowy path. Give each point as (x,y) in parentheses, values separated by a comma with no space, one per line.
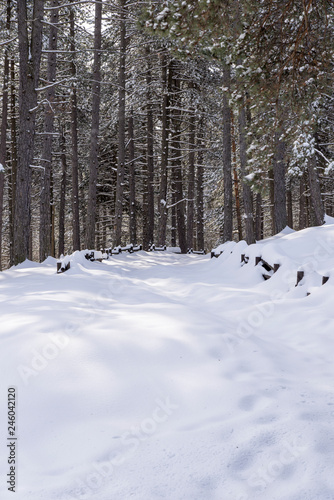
(162,376)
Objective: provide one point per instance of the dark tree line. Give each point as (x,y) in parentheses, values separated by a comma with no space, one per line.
(161,122)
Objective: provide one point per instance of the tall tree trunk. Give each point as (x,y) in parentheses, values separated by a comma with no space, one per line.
(279,185)
(259,218)
(94,141)
(3,145)
(53,216)
(247,195)
(30,56)
(272,198)
(318,211)
(236,179)
(173,213)
(121,125)
(62,202)
(302,203)
(132,182)
(227,157)
(163,211)
(104,224)
(191,182)
(3,129)
(289,206)
(200,192)
(177,165)
(13,172)
(74,139)
(45,202)
(149,227)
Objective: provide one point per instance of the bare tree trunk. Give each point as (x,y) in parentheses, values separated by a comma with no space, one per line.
(132,182)
(289,206)
(62,203)
(74,140)
(145,222)
(177,165)
(149,230)
(227,158)
(103,222)
(259,218)
(236,179)
(279,185)
(98,239)
(191,182)
(163,211)
(13,172)
(30,56)
(121,125)
(318,211)
(200,192)
(302,203)
(94,141)
(53,216)
(45,202)
(247,195)
(272,198)
(3,131)
(173,214)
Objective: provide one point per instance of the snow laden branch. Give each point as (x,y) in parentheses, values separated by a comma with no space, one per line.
(7,42)
(163,202)
(40,89)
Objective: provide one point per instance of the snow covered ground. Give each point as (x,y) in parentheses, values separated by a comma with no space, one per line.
(163,376)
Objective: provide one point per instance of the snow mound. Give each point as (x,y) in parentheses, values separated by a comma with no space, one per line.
(168,376)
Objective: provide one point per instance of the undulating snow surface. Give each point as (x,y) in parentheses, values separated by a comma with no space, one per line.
(163,376)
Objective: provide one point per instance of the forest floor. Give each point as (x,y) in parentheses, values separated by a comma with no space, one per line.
(163,376)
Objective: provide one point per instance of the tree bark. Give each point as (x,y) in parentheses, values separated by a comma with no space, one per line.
(62,203)
(177,165)
(45,202)
(236,179)
(227,157)
(3,144)
(191,181)
(200,192)
(13,170)
(53,216)
(302,203)
(3,129)
(259,218)
(272,198)
(173,213)
(289,206)
(162,206)
(29,56)
(132,182)
(247,194)
(94,139)
(121,125)
(149,226)
(74,139)
(318,211)
(279,185)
